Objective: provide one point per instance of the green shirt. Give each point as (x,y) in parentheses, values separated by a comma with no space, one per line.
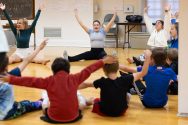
(22,36)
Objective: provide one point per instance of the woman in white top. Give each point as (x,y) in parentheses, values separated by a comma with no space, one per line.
(97,36)
(159,34)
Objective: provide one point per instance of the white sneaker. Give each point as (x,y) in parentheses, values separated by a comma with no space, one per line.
(45,102)
(65,55)
(81,101)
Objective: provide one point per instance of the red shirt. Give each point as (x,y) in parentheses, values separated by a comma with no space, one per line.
(61,89)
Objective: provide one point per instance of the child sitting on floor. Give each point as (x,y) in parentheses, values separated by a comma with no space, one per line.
(113,89)
(9,108)
(61,88)
(157,80)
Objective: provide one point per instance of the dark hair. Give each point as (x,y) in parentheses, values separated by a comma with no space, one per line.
(3,62)
(172,54)
(161,21)
(159,56)
(97,21)
(60,64)
(111,68)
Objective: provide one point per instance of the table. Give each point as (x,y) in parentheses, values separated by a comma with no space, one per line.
(128,27)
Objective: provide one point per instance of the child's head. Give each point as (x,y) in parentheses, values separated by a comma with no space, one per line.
(172,55)
(60,64)
(111,68)
(3,62)
(174,30)
(159,56)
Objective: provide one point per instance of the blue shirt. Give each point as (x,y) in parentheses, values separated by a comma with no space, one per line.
(97,38)
(174,43)
(7,95)
(157,82)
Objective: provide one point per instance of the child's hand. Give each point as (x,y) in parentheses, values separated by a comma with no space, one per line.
(167,7)
(110,60)
(115,10)
(43,44)
(2,6)
(41,6)
(147,54)
(76,11)
(146,9)
(4,78)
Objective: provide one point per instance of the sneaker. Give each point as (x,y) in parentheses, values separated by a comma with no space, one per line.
(45,102)
(65,55)
(90,101)
(81,101)
(137,61)
(130,60)
(133,91)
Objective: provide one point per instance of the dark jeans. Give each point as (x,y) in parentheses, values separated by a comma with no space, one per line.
(46,118)
(173,88)
(20,108)
(139,85)
(93,54)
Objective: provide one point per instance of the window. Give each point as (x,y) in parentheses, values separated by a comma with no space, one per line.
(156,10)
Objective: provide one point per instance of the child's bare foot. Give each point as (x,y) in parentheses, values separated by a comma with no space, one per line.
(45,62)
(90,101)
(130,60)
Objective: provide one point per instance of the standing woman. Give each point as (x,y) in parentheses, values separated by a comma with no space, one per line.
(97,36)
(22,33)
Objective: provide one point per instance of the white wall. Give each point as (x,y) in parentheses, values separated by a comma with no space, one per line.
(183,60)
(60,13)
(106,6)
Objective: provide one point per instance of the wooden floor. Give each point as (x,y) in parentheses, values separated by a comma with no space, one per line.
(135,115)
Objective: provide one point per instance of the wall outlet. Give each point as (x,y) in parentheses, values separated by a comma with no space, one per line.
(128,9)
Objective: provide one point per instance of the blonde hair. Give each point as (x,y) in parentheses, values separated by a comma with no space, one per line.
(25,22)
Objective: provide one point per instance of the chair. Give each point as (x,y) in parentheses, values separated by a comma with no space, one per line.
(112,32)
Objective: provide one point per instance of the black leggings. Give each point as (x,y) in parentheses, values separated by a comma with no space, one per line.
(93,54)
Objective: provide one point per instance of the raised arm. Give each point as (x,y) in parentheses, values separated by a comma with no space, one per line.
(127,68)
(80,22)
(144,71)
(109,25)
(167,20)
(28,59)
(35,20)
(85,85)
(86,72)
(13,28)
(41,83)
(148,21)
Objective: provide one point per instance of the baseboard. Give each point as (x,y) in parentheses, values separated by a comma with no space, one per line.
(182,114)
